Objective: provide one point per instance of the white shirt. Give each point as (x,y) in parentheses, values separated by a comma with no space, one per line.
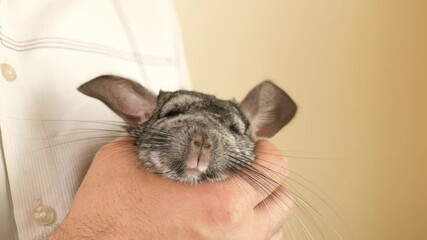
(48,48)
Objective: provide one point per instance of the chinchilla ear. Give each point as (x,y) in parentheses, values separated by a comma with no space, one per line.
(127,98)
(268,109)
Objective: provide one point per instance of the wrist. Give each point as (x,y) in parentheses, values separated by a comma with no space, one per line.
(85,227)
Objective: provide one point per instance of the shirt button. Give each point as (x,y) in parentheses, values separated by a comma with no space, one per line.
(8,72)
(44,215)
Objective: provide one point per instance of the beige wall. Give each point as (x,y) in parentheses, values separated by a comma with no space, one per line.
(358,71)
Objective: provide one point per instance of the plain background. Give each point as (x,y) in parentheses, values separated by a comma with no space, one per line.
(358,71)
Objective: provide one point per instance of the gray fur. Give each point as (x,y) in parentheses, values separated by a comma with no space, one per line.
(169,125)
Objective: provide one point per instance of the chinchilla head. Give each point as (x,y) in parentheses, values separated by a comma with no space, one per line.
(190,136)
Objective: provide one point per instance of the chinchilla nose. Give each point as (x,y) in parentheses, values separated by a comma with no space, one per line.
(201,142)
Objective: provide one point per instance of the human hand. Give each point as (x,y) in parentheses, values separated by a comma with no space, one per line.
(118,199)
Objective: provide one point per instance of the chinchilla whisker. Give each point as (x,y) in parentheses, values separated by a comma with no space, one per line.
(305,211)
(157,134)
(78,140)
(307,215)
(158,148)
(296,226)
(304,228)
(119,152)
(306,232)
(307,188)
(91,130)
(267,186)
(296,201)
(298,229)
(276,193)
(250,179)
(298,195)
(289,156)
(48,147)
(164,140)
(235,173)
(290,178)
(161,173)
(244,158)
(302,185)
(52,138)
(159,143)
(276,197)
(247,178)
(160,140)
(71,135)
(104,122)
(321,217)
(279,196)
(300,198)
(158,131)
(309,158)
(340,237)
(293,156)
(176,165)
(263,151)
(249,167)
(288,226)
(153,138)
(121,147)
(125,141)
(239,166)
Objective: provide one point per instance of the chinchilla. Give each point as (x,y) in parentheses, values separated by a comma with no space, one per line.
(189,136)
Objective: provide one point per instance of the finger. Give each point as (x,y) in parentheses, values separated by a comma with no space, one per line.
(275,209)
(117,148)
(115,157)
(264,175)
